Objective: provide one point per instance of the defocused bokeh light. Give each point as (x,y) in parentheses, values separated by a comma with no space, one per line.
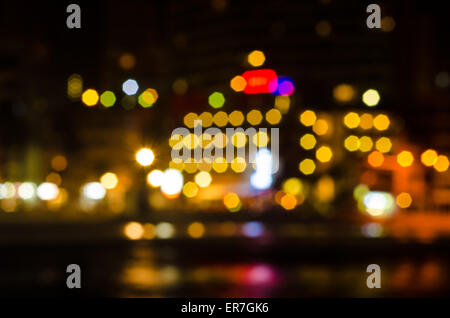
(351,120)
(172,183)
(130,87)
(405,158)
(216,100)
(108,98)
(127,61)
(148,97)
(441,164)
(379,204)
(371,97)
(145,157)
(134,231)
(254,117)
(93,191)
(74,86)
(344,93)
(383,145)
(155,178)
(109,180)
(307,166)
(47,191)
(27,190)
(403,200)
(256,58)
(429,157)
(177,160)
(308,118)
(238,83)
(90,97)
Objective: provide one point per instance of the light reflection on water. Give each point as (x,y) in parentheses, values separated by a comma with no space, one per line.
(145,276)
(241,269)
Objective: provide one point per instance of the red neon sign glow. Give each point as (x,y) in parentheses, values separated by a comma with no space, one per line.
(260,81)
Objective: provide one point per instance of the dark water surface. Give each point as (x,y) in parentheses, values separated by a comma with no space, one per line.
(234,267)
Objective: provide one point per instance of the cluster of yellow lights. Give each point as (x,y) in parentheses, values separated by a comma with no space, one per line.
(430,158)
(366,121)
(192,141)
(232,202)
(138,231)
(307,166)
(219,165)
(365,144)
(235,118)
(309,118)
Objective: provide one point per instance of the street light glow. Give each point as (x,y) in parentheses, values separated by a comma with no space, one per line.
(145,157)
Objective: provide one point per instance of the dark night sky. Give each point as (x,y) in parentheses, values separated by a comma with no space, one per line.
(190,39)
